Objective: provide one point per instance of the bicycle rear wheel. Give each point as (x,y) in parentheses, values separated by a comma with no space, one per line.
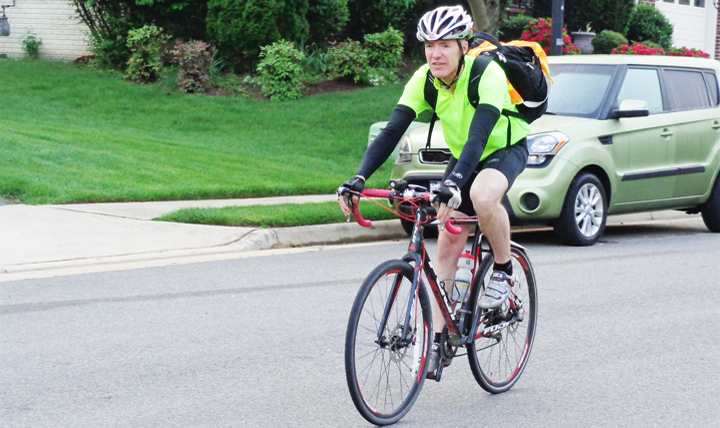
(385,376)
(504,337)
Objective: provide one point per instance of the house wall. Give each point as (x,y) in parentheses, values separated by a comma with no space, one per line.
(53,21)
(693,26)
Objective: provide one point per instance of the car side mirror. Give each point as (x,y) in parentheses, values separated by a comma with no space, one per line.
(632,108)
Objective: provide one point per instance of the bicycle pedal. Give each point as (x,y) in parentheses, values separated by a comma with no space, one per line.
(437,375)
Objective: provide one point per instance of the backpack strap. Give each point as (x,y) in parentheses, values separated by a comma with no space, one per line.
(431,96)
(430,91)
(478,68)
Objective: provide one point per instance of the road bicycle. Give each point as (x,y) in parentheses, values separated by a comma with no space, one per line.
(390,332)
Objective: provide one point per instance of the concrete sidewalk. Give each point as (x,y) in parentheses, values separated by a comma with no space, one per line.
(52,238)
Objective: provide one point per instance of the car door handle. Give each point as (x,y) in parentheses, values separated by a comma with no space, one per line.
(666,133)
(715,125)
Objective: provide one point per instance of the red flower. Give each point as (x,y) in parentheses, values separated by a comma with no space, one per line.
(540,31)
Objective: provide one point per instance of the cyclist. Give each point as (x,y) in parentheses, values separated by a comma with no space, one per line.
(484,163)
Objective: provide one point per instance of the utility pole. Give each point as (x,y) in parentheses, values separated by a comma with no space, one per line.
(558,12)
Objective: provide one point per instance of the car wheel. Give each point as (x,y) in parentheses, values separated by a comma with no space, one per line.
(711,209)
(431,232)
(584,212)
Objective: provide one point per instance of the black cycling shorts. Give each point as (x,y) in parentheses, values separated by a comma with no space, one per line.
(510,161)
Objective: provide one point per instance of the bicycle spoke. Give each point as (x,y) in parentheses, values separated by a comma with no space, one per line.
(382,382)
(498,359)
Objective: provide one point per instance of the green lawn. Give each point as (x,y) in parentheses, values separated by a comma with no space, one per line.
(81,136)
(284,215)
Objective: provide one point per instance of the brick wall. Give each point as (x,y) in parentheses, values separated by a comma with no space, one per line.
(54,21)
(717,38)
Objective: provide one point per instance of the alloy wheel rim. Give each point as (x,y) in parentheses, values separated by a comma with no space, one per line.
(589,210)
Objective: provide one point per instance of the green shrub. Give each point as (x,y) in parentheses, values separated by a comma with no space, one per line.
(606,41)
(368,17)
(31,45)
(280,71)
(347,59)
(326,17)
(384,50)
(238,28)
(108,23)
(315,61)
(648,23)
(147,47)
(195,61)
(513,28)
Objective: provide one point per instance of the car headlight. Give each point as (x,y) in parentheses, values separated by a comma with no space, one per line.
(542,147)
(404,151)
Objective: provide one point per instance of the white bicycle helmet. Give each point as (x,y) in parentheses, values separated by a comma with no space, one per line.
(444,23)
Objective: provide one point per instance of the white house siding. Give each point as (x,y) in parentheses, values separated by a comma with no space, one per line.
(693,26)
(54,21)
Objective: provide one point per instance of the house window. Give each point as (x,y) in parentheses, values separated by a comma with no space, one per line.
(669,1)
(699,3)
(684,2)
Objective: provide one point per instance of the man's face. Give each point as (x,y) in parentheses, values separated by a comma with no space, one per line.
(443,56)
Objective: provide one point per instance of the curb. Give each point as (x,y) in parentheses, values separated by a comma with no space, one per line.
(255,240)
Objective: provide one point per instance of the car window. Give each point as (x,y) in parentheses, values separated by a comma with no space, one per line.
(687,89)
(579,89)
(712,83)
(642,84)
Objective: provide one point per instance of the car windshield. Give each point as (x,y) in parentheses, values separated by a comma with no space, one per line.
(579,89)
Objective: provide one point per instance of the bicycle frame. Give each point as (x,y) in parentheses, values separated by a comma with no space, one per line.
(418,256)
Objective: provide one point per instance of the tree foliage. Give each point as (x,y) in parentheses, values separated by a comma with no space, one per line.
(109,21)
(367,17)
(326,17)
(599,15)
(239,28)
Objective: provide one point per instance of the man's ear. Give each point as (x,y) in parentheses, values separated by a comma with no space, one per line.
(465,46)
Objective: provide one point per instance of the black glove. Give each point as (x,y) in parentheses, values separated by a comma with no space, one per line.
(449,194)
(355,184)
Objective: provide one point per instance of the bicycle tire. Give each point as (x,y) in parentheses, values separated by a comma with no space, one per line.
(497,361)
(385,381)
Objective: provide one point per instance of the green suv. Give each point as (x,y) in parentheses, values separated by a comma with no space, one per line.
(623,134)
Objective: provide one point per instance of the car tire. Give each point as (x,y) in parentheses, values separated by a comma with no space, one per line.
(711,209)
(584,213)
(431,232)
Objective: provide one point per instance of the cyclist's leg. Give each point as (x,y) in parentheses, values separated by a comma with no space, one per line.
(498,173)
(486,193)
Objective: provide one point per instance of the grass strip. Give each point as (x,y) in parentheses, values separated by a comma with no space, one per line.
(282,215)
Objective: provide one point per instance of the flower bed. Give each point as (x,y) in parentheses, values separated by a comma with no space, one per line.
(638,49)
(540,31)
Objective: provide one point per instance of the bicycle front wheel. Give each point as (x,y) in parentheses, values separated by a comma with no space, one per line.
(504,336)
(387,343)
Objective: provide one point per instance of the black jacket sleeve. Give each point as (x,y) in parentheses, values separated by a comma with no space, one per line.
(382,147)
(486,116)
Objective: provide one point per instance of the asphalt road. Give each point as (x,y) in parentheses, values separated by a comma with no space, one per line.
(627,337)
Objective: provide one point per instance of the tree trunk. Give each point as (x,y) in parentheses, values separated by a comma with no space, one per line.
(486,15)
